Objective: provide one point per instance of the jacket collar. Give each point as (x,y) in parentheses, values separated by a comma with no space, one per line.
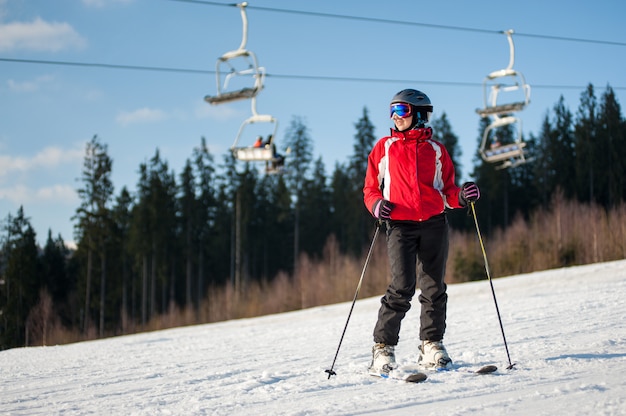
(414,134)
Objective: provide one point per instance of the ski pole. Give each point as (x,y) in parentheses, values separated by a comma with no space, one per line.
(493,292)
(330,371)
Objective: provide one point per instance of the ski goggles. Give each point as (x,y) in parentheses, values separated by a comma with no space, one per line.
(402,110)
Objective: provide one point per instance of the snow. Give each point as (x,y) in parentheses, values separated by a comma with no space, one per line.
(565,330)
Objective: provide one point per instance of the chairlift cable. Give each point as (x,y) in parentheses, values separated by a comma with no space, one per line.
(406,23)
(277,76)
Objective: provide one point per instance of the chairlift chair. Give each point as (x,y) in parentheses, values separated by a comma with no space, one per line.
(510,154)
(511,85)
(266,153)
(226,70)
(255,154)
(508,81)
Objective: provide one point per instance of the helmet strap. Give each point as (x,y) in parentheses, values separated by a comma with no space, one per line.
(420,118)
(418,121)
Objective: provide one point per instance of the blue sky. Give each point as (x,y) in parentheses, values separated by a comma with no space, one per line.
(49,112)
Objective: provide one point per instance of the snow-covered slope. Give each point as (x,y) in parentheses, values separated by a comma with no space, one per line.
(566,331)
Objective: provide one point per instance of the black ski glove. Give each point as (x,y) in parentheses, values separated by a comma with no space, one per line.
(382,209)
(469,193)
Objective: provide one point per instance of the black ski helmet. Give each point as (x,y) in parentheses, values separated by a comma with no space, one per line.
(420,102)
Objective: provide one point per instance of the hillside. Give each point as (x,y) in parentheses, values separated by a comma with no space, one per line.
(565,328)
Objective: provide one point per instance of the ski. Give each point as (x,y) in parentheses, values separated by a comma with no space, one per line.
(486,369)
(415,378)
(412,377)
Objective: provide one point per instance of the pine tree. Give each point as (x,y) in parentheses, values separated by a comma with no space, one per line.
(315,211)
(121,251)
(363,142)
(21,275)
(246,222)
(189,222)
(228,192)
(612,137)
(523,195)
(586,146)
(140,239)
(208,222)
(94,219)
(164,233)
(298,165)
(57,280)
(555,164)
(281,224)
(262,226)
(358,220)
(343,208)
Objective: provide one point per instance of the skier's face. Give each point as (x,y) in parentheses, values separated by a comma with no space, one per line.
(402,123)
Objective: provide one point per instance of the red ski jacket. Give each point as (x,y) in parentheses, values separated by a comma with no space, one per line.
(414,172)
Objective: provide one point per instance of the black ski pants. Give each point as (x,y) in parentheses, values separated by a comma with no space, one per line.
(417,252)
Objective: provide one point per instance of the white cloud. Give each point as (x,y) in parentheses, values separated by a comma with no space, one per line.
(16,194)
(49,157)
(40,36)
(65,193)
(28,86)
(142,115)
(21,194)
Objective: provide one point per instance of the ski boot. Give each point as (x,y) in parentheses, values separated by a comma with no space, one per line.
(434,355)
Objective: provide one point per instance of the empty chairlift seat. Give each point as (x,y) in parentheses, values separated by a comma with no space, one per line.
(241,66)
